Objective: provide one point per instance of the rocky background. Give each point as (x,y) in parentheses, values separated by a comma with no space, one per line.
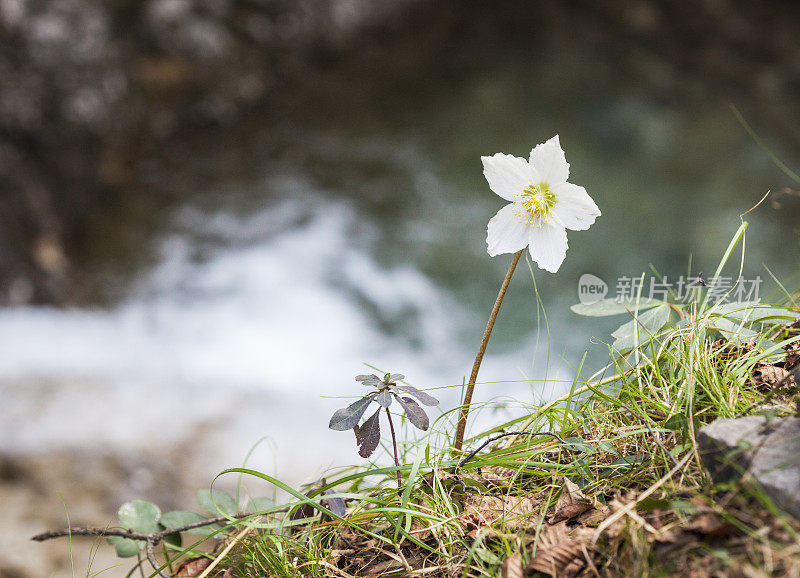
(91,89)
(88,88)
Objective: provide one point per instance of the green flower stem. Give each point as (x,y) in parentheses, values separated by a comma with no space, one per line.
(394,445)
(462,420)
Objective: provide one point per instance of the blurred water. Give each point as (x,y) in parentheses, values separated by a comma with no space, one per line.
(307,245)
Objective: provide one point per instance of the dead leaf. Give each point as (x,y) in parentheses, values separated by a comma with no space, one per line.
(767,376)
(512,567)
(571,504)
(511,512)
(420,530)
(595,515)
(557,554)
(193,567)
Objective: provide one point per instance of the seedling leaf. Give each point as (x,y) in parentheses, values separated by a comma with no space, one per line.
(372,380)
(420,395)
(348,417)
(415,413)
(368,435)
(384,398)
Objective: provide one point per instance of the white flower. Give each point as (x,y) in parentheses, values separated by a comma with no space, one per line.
(543,204)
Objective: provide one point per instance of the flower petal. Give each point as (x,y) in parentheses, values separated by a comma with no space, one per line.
(549,161)
(548,245)
(505,232)
(508,175)
(574,208)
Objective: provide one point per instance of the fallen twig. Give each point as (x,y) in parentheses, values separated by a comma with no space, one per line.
(151,540)
(156,537)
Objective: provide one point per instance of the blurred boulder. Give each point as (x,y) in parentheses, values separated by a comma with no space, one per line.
(768,450)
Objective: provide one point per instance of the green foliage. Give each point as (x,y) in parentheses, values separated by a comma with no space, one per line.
(217,502)
(139,516)
(126,548)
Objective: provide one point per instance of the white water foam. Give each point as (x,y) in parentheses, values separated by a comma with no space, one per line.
(277,307)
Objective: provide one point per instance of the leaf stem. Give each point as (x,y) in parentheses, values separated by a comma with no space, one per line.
(462,420)
(394,445)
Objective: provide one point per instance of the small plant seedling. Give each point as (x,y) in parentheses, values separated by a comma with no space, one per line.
(368,434)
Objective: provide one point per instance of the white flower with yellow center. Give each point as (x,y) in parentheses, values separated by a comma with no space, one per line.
(543,205)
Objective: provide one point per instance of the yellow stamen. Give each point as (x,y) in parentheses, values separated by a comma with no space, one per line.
(535,204)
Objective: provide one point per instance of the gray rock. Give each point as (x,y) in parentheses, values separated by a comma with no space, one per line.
(766,449)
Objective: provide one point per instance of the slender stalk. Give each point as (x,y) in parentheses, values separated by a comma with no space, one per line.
(462,420)
(394,445)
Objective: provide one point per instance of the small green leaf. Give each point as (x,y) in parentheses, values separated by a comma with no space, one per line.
(139,516)
(177,518)
(607,446)
(608,307)
(487,556)
(649,324)
(173,539)
(126,548)
(260,504)
(217,502)
(577,444)
(737,332)
(752,311)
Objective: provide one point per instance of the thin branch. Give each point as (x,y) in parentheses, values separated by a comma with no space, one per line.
(474,452)
(155,537)
(151,557)
(462,420)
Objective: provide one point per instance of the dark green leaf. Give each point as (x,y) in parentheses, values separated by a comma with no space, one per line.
(139,516)
(368,435)
(260,504)
(173,539)
(216,502)
(649,324)
(415,413)
(752,311)
(420,395)
(348,417)
(178,518)
(126,548)
(608,307)
(577,444)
